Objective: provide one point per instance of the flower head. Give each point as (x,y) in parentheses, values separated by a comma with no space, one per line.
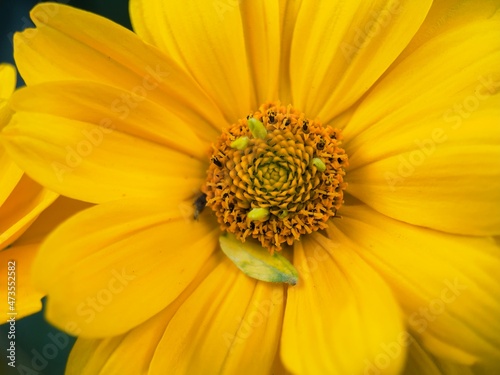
(240,105)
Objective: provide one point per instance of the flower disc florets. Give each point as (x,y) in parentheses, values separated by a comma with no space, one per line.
(276,175)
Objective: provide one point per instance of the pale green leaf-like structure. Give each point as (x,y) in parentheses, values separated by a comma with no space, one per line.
(258,214)
(318,163)
(257,128)
(257,262)
(240,144)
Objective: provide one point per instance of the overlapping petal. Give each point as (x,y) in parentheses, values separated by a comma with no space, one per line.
(340,315)
(427,152)
(421,362)
(8,82)
(113,108)
(230,322)
(340,48)
(447,15)
(93,162)
(21,208)
(112,55)
(17,259)
(7,86)
(17,291)
(127,250)
(197,333)
(446,284)
(112,354)
(237,57)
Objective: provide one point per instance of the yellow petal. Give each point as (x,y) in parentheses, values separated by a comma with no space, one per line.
(112,355)
(341,317)
(340,48)
(10,173)
(446,15)
(288,15)
(435,82)
(114,108)
(95,163)
(449,182)
(427,152)
(17,291)
(70,44)
(230,324)
(26,218)
(263,46)
(446,284)
(116,259)
(60,210)
(422,362)
(235,56)
(7,82)
(21,208)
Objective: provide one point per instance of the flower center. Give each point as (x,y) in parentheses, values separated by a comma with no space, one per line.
(276,175)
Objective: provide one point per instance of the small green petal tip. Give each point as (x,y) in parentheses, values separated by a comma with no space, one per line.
(258,214)
(318,163)
(257,128)
(240,143)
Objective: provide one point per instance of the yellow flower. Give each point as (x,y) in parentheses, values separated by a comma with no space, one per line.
(405,281)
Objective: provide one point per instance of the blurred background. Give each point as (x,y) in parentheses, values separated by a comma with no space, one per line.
(40,348)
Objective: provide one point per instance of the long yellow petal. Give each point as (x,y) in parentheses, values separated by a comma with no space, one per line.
(113,355)
(427,152)
(21,208)
(95,163)
(114,108)
(435,82)
(340,48)
(10,173)
(446,284)
(7,82)
(17,291)
(65,37)
(116,259)
(447,15)
(341,316)
(421,362)
(230,324)
(237,58)
(17,259)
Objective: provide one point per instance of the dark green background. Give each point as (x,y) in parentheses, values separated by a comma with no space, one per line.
(33,334)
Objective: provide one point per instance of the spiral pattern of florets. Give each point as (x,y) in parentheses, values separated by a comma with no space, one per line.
(294,174)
